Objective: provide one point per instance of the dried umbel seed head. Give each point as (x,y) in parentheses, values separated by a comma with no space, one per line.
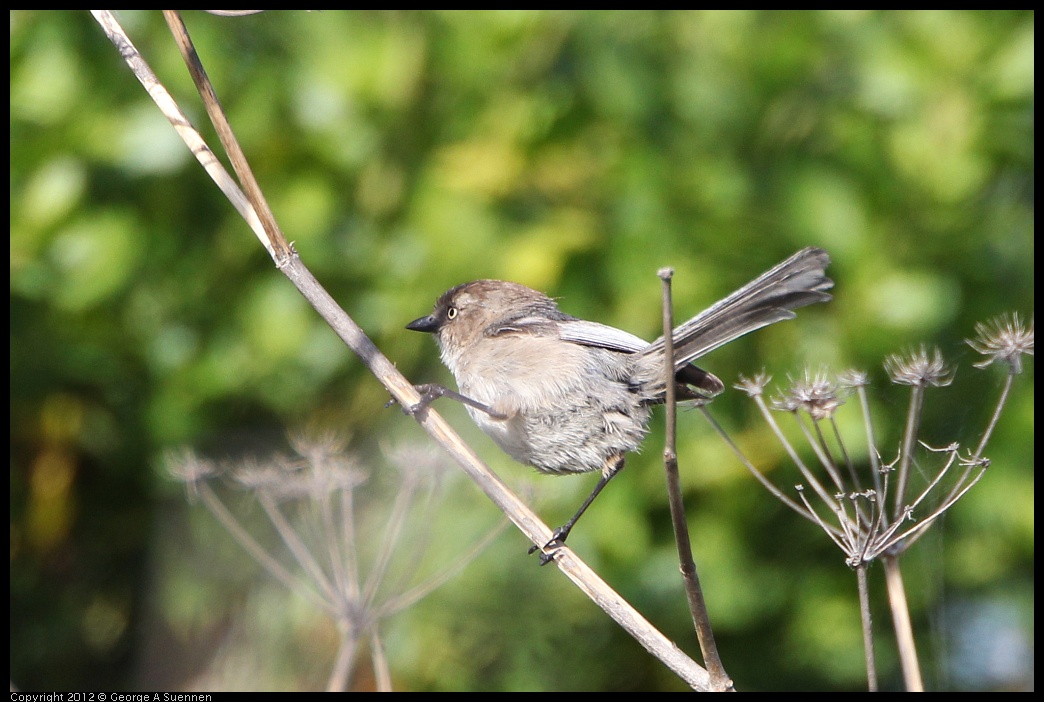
(1003,339)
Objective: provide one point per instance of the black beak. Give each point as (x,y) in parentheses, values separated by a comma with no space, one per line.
(425,324)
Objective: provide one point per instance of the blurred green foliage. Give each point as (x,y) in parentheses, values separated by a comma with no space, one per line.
(576,152)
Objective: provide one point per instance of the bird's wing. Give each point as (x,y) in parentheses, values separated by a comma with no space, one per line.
(580,331)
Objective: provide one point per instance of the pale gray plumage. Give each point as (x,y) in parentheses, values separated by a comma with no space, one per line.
(566,395)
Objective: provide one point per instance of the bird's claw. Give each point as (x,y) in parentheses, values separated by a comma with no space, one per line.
(428,395)
(549,550)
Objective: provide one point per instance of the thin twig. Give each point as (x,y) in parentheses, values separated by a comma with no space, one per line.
(868,629)
(408,597)
(280,246)
(274,567)
(806,473)
(381,670)
(805,511)
(913,422)
(393,528)
(901,621)
(694,593)
(340,676)
(297,547)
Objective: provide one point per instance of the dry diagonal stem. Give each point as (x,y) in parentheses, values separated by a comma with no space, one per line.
(400,388)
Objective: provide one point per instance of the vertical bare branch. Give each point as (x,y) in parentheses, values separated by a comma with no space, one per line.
(694,593)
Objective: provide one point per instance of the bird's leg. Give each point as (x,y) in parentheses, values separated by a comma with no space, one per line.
(430,392)
(559,535)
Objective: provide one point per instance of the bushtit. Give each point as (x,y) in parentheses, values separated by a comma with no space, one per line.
(565,395)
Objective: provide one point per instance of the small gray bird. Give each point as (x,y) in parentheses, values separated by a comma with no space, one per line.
(565,395)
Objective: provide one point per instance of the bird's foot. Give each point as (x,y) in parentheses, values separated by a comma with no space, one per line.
(552,547)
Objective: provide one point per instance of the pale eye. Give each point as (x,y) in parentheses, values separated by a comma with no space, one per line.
(451,313)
